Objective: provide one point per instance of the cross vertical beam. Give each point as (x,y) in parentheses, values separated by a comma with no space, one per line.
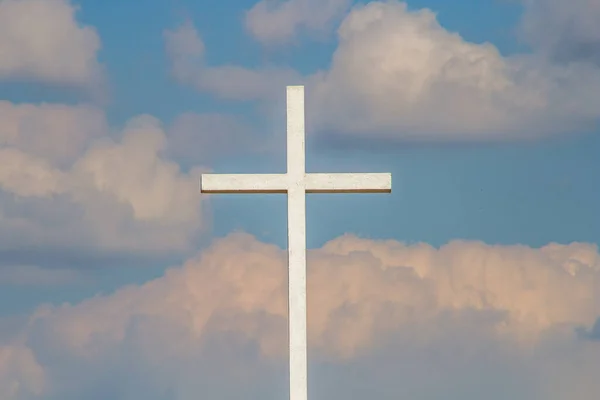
(296,244)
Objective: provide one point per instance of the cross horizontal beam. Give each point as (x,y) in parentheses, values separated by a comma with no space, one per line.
(348,183)
(244,183)
(312,183)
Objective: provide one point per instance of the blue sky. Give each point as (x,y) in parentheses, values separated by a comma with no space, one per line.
(492,139)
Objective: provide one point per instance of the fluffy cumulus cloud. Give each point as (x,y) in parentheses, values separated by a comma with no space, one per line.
(72,190)
(564,30)
(276,22)
(466,321)
(186,52)
(54,132)
(41,40)
(398,73)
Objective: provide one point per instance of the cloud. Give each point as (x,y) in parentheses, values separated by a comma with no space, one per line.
(20,376)
(42,41)
(462,321)
(54,132)
(71,194)
(398,74)
(276,22)
(564,31)
(186,52)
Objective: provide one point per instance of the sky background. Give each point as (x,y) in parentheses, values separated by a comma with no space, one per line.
(119,280)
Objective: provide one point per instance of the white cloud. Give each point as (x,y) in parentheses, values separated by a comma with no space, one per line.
(276,22)
(20,375)
(69,190)
(41,40)
(186,51)
(461,321)
(399,74)
(184,47)
(564,30)
(54,132)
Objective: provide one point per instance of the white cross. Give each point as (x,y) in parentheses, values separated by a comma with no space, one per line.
(296,182)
